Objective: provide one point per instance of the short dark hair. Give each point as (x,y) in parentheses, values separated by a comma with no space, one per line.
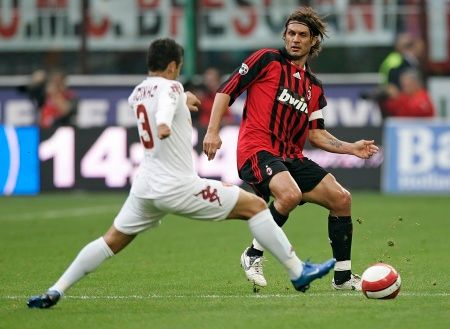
(163,51)
(315,23)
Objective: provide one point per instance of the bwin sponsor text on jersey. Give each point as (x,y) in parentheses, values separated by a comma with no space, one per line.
(294,100)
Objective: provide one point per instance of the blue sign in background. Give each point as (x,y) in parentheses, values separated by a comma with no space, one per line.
(19,165)
(417,156)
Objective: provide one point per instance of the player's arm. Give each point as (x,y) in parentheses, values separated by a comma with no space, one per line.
(240,80)
(322,139)
(192,101)
(163,131)
(212,141)
(167,106)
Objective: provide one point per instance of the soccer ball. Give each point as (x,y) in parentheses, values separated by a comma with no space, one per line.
(381,281)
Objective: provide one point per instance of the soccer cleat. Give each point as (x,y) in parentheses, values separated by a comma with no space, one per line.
(354,283)
(312,272)
(46,300)
(253,269)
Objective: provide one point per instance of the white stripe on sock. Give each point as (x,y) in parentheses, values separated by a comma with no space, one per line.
(345,265)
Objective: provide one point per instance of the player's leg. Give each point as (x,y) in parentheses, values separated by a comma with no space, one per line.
(132,219)
(92,256)
(272,237)
(268,176)
(265,231)
(206,199)
(286,195)
(331,195)
(88,260)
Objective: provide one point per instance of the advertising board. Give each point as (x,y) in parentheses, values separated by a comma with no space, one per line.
(19,165)
(417,156)
(36,25)
(107,158)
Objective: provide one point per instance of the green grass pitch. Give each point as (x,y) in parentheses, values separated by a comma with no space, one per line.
(186,274)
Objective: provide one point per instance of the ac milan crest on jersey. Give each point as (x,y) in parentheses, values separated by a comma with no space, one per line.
(208,193)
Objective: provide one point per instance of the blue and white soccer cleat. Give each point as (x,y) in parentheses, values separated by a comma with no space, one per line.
(312,272)
(46,300)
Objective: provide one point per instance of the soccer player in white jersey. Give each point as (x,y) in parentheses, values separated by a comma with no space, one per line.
(166,182)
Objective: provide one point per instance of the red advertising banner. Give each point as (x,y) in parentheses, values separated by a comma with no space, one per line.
(125,25)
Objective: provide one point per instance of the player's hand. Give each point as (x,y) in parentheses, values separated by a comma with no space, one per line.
(163,131)
(211,143)
(192,101)
(365,149)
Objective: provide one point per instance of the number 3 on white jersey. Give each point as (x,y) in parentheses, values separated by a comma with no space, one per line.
(144,127)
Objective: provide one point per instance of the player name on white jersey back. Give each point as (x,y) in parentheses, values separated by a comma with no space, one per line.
(167,163)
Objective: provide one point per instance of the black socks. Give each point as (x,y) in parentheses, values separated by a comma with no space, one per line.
(279,218)
(340,231)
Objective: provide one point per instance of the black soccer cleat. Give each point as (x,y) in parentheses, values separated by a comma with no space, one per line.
(46,300)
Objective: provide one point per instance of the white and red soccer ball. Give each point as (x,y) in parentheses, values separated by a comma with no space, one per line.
(381,281)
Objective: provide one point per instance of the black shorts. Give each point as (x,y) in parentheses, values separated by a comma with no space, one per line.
(260,168)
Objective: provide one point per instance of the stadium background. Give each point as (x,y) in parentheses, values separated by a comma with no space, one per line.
(101,44)
(186,274)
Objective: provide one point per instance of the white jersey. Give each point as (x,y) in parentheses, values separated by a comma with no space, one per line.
(167,163)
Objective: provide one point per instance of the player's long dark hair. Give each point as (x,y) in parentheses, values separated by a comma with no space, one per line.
(317,26)
(163,51)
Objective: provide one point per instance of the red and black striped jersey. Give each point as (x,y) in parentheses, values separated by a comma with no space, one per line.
(283,102)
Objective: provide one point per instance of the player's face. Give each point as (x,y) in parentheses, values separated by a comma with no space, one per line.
(298,40)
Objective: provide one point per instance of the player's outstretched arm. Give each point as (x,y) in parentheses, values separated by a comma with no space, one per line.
(212,141)
(322,139)
(364,149)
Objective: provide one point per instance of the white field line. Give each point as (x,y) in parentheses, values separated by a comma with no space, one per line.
(60,213)
(255,296)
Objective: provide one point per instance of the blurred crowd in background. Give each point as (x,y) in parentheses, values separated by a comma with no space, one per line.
(397,39)
(55,102)
(402,91)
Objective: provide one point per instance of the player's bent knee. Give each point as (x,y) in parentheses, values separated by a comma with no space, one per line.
(289,200)
(343,201)
(258,204)
(346,198)
(247,206)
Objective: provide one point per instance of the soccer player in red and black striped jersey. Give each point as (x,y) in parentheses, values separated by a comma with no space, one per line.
(283,108)
(167,183)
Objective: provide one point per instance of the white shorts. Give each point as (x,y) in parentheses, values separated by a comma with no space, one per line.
(203,199)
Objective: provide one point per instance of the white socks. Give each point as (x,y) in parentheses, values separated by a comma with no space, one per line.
(257,245)
(262,226)
(272,237)
(88,259)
